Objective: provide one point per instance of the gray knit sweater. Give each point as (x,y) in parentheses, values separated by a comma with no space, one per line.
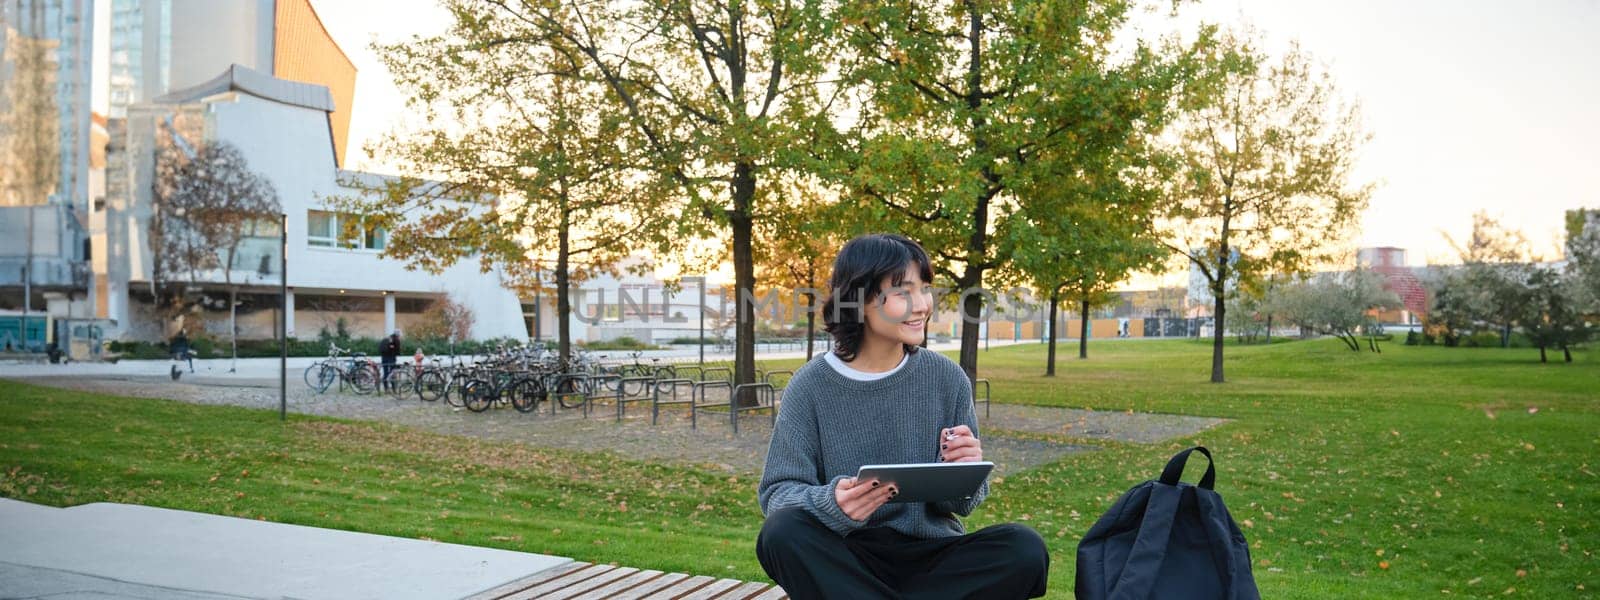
(830,425)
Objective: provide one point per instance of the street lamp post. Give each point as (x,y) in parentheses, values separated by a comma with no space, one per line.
(283,320)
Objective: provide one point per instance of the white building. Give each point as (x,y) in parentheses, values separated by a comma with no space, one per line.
(283,130)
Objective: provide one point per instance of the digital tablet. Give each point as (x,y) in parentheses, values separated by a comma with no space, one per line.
(930,482)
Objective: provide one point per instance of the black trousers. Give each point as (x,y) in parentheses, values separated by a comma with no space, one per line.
(811,561)
(388,366)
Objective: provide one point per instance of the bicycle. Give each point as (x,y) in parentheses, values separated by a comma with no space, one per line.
(361,374)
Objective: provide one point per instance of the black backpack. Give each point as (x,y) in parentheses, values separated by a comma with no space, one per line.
(1167,539)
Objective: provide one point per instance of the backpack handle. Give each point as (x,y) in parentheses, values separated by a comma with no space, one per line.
(1174,470)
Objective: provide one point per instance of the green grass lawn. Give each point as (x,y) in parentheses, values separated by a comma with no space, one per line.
(1419,472)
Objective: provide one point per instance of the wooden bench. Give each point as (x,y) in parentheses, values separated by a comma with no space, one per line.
(585,581)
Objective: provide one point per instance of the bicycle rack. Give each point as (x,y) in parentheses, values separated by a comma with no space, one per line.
(671,384)
(766,397)
(683,372)
(581,389)
(697,398)
(647,384)
(727,374)
(594,383)
(984,401)
(774,374)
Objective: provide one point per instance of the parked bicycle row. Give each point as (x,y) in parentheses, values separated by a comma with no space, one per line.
(526,378)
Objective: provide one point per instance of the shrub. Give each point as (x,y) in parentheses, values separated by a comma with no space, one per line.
(1412,339)
(621,343)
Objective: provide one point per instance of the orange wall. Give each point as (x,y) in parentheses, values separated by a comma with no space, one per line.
(303,51)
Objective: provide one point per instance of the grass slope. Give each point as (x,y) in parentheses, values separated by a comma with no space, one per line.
(1417,472)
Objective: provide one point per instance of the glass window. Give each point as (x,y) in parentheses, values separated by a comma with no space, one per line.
(322,228)
(375,238)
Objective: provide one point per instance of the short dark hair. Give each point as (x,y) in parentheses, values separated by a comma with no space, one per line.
(862,264)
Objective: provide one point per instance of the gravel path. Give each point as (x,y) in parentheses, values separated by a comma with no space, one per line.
(710,445)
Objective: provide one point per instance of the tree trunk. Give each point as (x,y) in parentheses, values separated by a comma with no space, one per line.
(1567,352)
(1083,333)
(1269,329)
(1505,336)
(563,283)
(1050,361)
(1217,339)
(971,311)
(744,278)
(1542,358)
(977,242)
(811,325)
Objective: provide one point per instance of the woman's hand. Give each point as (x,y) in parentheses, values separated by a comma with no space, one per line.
(957,444)
(859,499)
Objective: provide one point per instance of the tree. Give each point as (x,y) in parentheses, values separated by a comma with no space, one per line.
(797,247)
(30,119)
(964,105)
(1248,316)
(1553,318)
(720,95)
(534,164)
(206,200)
(1583,258)
(1492,287)
(1266,152)
(1450,316)
(1340,305)
(1080,249)
(445,319)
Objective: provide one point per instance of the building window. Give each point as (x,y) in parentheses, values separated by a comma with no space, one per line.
(322,229)
(374,237)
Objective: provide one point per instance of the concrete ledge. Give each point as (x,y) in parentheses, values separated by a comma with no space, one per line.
(208,555)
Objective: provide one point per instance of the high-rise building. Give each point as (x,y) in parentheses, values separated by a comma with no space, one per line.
(134,74)
(46,49)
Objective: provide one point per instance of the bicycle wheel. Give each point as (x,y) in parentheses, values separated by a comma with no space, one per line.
(477,395)
(526,394)
(313,375)
(568,392)
(452,391)
(364,377)
(325,376)
(431,385)
(401,382)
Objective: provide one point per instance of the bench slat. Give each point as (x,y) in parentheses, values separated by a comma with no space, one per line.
(659,583)
(590,583)
(772,593)
(712,590)
(749,589)
(681,588)
(616,588)
(512,587)
(573,578)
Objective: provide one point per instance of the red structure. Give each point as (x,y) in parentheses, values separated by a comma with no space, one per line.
(1398,278)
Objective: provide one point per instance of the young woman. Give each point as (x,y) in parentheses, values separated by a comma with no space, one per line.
(875,399)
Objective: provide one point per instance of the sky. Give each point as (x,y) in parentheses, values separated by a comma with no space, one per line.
(1473,105)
